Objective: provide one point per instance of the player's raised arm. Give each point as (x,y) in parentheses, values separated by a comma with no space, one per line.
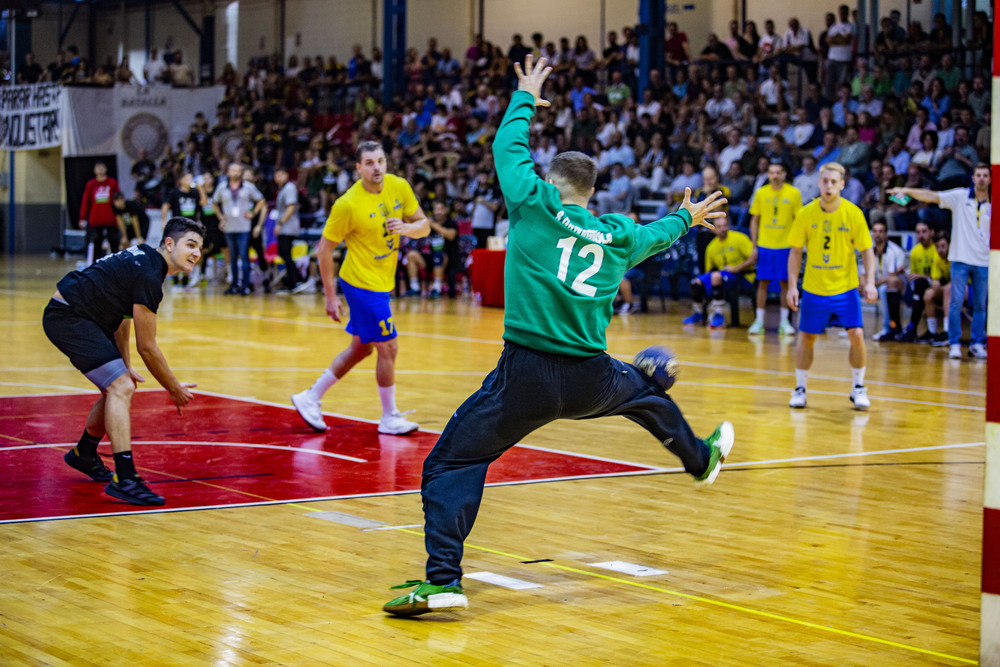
(515,168)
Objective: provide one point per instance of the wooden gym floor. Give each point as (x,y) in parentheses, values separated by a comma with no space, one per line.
(832,537)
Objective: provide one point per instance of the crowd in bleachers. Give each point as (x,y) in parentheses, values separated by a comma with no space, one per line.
(910,110)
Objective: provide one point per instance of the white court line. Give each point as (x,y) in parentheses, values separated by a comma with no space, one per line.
(839,393)
(44,386)
(250,445)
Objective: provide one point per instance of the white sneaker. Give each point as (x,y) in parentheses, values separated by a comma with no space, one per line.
(396,424)
(884,334)
(756,328)
(307,286)
(624,308)
(859,397)
(311,411)
(798,398)
(977,351)
(786,328)
(955,352)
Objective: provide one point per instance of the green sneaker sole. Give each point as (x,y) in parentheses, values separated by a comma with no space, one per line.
(721,443)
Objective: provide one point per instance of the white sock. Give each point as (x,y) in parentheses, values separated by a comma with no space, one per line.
(388,397)
(415,284)
(801,376)
(437,284)
(698,307)
(784,315)
(932,325)
(760,314)
(858,375)
(323,383)
(945,320)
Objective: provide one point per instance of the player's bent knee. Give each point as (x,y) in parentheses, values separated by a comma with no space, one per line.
(697,290)
(122,388)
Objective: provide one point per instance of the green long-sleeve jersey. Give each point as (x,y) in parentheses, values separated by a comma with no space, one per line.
(563,264)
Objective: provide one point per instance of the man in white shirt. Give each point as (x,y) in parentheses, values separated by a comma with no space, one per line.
(733,151)
(649,106)
(807,182)
(870,103)
(153,69)
(802,132)
(969,254)
(719,104)
(890,281)
(798,48)
(840,37)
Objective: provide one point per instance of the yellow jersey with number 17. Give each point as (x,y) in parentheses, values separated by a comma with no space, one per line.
(359,219)
(831,241)
(922,259)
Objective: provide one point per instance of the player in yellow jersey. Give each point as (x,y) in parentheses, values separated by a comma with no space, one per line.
(832,229)
(369,218)
(729,260)
(937,298)
(922,258)
(771,214)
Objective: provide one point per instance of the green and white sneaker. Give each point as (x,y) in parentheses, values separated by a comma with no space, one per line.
(427,597)
(721,443)
(756,328)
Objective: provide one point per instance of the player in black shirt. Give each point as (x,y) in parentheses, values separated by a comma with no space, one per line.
(88,319)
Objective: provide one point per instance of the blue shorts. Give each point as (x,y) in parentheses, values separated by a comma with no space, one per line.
(772,263)
(635,275)
(816,312)
(729,280)
(371,318)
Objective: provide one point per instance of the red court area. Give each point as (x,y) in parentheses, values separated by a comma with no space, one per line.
(226,452)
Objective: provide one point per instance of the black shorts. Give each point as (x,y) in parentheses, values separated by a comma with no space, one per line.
(214,238)
(90,350)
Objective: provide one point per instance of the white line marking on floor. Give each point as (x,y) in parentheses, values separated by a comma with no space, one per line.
(297,450)
(629,568)
(500,580)
(346,519)
(406,525)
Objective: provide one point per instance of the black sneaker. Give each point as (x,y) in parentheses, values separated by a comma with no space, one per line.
(925,338)
(92,468)
(908,335)
(133,491)
(940,339)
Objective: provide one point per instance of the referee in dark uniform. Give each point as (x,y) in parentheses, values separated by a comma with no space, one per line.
(88,319)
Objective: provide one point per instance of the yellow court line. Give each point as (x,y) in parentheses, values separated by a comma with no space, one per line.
(727,605)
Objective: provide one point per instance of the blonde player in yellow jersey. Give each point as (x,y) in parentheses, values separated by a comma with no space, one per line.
(729,260)
(832,229)
(369,218)
(922,258)
(771,214)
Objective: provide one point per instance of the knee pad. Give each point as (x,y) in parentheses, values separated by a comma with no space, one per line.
(697,290)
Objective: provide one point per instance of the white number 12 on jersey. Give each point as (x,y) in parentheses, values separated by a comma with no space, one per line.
(579,285)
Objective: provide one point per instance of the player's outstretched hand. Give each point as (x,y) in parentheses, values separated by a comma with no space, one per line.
(182,395)
(533,80)
(705,210)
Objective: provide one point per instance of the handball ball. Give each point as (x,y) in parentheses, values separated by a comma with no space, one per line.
(660,364)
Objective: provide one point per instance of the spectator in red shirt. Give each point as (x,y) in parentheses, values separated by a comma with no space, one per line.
(97,215)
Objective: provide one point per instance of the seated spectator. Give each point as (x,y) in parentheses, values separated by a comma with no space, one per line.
(650,106)
(922,123)
(618,92)
(946,132)
(867,131)
(688,178)
(854,154)
(651,170)
(877,204)
(937,102)
(733,151)
(807,182)
(751,157)
(802,131)
(922,258)
(719,104)
(861,78)
(843,105)
(929,154)
(979,98)
(984,139)
(903,78)
(785,128)
(814,102)
(729,261)
(744,118)
(825,124)
(740,191)
(869,103)
(618,197)
(734,82)
(854,191)
(897,155)
(938,297)
(829,151)
(715,50)
(890,280)
(957,162)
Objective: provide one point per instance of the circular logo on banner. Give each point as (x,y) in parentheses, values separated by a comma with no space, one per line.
(144,132)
